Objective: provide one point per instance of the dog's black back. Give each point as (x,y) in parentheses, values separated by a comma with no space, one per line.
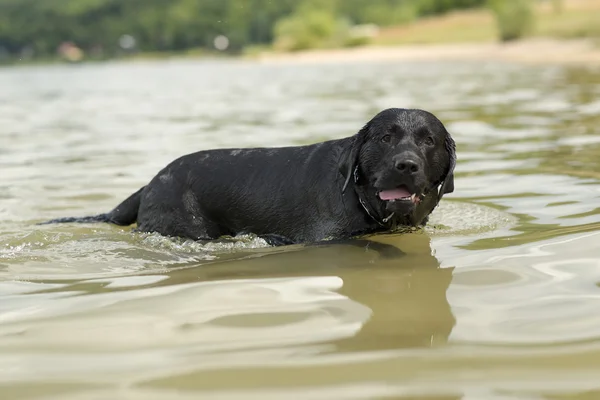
(283,191)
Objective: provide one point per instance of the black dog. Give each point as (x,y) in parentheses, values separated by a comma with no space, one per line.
(392,173)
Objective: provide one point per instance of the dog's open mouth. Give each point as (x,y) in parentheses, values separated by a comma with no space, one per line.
(401,193)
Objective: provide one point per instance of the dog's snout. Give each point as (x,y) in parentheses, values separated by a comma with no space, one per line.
(407,166)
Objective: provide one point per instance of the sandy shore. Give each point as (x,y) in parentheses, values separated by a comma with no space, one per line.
(541,51)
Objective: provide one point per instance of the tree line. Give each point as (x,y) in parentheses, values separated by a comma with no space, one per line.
(40,26)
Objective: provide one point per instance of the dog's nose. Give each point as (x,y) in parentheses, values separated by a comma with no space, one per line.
(408,166)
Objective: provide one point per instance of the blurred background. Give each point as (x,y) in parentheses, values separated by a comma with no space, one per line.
(496,299)
(76,30)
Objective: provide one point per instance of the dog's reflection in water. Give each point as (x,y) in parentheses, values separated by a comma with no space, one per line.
(407,296)
(395,276)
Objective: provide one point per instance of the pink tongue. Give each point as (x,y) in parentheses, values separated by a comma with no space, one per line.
(394,194)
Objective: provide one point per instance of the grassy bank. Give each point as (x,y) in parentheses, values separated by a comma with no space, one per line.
(577,19)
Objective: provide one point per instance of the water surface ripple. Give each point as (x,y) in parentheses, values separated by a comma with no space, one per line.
(497,299)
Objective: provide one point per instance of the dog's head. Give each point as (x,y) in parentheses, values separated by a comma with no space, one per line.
(403,162)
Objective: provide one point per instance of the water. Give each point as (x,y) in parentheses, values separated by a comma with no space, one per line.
(497,299)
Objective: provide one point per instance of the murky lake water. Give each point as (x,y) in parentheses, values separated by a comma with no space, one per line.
(498,299)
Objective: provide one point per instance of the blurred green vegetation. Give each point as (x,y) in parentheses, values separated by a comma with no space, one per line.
(98,29)
(514,18)
(36,28)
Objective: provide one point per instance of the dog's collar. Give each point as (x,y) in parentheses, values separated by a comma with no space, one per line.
(383,222)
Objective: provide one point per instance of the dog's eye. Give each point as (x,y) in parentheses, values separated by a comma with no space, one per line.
(429,141)
(386,138)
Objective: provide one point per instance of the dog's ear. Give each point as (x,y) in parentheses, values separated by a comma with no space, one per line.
(448,183)
(349,159)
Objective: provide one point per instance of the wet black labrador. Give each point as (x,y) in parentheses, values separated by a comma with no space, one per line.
(392,173)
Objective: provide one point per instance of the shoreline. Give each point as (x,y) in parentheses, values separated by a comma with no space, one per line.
(527,51)
(533,51)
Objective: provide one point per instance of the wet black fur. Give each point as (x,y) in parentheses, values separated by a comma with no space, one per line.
(298,194)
